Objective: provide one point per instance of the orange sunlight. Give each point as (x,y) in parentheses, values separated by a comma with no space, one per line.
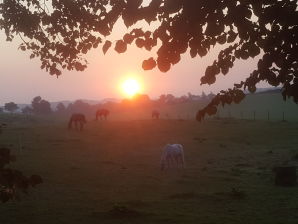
(131,87)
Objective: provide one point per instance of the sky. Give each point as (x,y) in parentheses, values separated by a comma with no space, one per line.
(22,79)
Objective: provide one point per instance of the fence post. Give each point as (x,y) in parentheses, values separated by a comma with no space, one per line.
(283,116)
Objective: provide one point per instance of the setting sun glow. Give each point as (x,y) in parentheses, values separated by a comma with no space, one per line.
(131,87)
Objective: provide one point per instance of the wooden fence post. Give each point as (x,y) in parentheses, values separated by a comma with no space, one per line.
(283,116)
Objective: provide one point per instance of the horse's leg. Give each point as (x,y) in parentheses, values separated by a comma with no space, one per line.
(76,125)
(179,163)
(176,161)
(176,158)
(182,158)
(182,161)
(172,162)
(168,162)
(70,124)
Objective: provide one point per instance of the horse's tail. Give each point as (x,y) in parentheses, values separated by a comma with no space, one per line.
(182,156)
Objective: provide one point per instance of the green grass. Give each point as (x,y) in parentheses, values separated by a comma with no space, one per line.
(261,104)
(115,165)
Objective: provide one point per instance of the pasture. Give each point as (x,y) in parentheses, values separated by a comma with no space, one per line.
(110,173)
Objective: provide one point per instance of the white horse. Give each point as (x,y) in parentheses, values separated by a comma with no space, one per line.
(172,155)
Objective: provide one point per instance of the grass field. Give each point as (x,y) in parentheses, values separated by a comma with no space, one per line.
(261,104)
(114,165)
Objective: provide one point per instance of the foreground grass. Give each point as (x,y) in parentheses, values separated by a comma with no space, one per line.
(116,163)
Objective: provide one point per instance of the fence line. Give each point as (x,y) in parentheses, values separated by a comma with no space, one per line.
(256,115)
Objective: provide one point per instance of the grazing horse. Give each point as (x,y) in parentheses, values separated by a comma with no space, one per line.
(172,155)
(155,114)
(102,113)
(77,119)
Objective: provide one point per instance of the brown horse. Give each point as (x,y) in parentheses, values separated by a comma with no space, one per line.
(102,113)
(77,119)
(155,114)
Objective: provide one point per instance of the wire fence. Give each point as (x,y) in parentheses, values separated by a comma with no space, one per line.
(258,115)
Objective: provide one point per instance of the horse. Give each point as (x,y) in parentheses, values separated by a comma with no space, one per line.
(102,113)
(155,114)
(77,119)
(172,155)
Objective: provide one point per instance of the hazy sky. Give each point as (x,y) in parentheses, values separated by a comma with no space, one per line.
(22,79)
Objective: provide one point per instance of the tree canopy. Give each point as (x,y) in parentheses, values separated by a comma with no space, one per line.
(11,107)
(60,32)
(40,106)
(60,108)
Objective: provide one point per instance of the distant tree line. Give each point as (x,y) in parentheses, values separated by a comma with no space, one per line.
(11,107)
(171,99)
(40,106)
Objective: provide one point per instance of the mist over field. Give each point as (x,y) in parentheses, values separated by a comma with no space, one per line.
(158,112)
(110,172)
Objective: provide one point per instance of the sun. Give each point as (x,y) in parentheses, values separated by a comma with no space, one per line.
(131,87)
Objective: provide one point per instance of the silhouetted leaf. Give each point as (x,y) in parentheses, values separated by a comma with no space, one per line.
(121,46)
(128,38)
(251,27)
(149,64)
(106,46)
